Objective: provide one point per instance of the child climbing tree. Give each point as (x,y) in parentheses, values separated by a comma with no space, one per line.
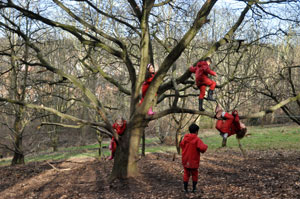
(201,71)
(126,33)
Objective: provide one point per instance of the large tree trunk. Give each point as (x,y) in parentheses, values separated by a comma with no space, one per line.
(127,153)
(18,157)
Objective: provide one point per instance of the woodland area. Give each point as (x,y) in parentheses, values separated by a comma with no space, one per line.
(69,68)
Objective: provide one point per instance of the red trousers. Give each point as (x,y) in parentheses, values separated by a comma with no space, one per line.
(202,86)
(190,172)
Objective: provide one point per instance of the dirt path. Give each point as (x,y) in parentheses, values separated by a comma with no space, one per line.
(223,174)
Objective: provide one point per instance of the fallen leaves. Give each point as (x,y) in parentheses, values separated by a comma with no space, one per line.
(222,174)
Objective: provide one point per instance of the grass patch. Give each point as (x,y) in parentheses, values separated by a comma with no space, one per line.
(261,138)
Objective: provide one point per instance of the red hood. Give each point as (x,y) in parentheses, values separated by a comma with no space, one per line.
(191,147)
(191,138)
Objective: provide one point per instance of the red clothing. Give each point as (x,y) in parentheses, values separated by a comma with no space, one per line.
(146,85)
(230,125)
(190,172)
(201,71)
(210,83)
(120,130)
(191,147)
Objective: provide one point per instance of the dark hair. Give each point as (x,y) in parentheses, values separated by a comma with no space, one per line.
(193,128)
(148,74)
(240,134)
(208,59)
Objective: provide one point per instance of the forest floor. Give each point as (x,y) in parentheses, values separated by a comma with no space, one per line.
(223,173)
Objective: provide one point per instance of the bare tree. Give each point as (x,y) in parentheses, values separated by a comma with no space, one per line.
(128,22)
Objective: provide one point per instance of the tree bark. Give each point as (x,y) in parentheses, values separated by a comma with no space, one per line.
(143,144)
(127,153)
(18,157)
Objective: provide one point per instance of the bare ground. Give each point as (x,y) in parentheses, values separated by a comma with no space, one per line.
(222,174)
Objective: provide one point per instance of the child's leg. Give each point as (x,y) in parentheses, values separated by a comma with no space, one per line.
(212,86)
(201,97)
(150,111)
(224,141)
(113,147)
(186,176)
(194,178)
(202,91)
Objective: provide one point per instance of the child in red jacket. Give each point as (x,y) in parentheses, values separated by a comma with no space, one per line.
(229,124)
(201,71)
(191,146)
(119,126)
(150,73)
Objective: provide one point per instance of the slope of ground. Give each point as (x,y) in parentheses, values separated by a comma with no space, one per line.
(223,174)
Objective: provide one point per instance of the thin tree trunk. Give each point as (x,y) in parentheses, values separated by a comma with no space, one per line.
(177,141)
(54,138)
(99,139)
(143,143)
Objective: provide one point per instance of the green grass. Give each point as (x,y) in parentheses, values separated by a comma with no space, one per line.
(268,138)
(262,139)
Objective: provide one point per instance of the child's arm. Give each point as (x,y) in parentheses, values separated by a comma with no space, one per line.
(123,127)
(193,69)
(114,126)
(236,116)
(149,80)
(201,146)
(209,71)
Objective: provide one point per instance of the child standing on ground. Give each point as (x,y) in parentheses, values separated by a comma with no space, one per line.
(150,73)
(201,71)
(191,146)
(119,126)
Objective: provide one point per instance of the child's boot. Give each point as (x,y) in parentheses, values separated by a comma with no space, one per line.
(194,186)
(201,105)
(224,142)
(150,112)
(111,157)
(210,95)
(185,186)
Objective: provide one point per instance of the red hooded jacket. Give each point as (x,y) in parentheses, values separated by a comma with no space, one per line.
(146,85)
(236,126)
(230,125)
(201,71)
(191,146)
(120,129)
